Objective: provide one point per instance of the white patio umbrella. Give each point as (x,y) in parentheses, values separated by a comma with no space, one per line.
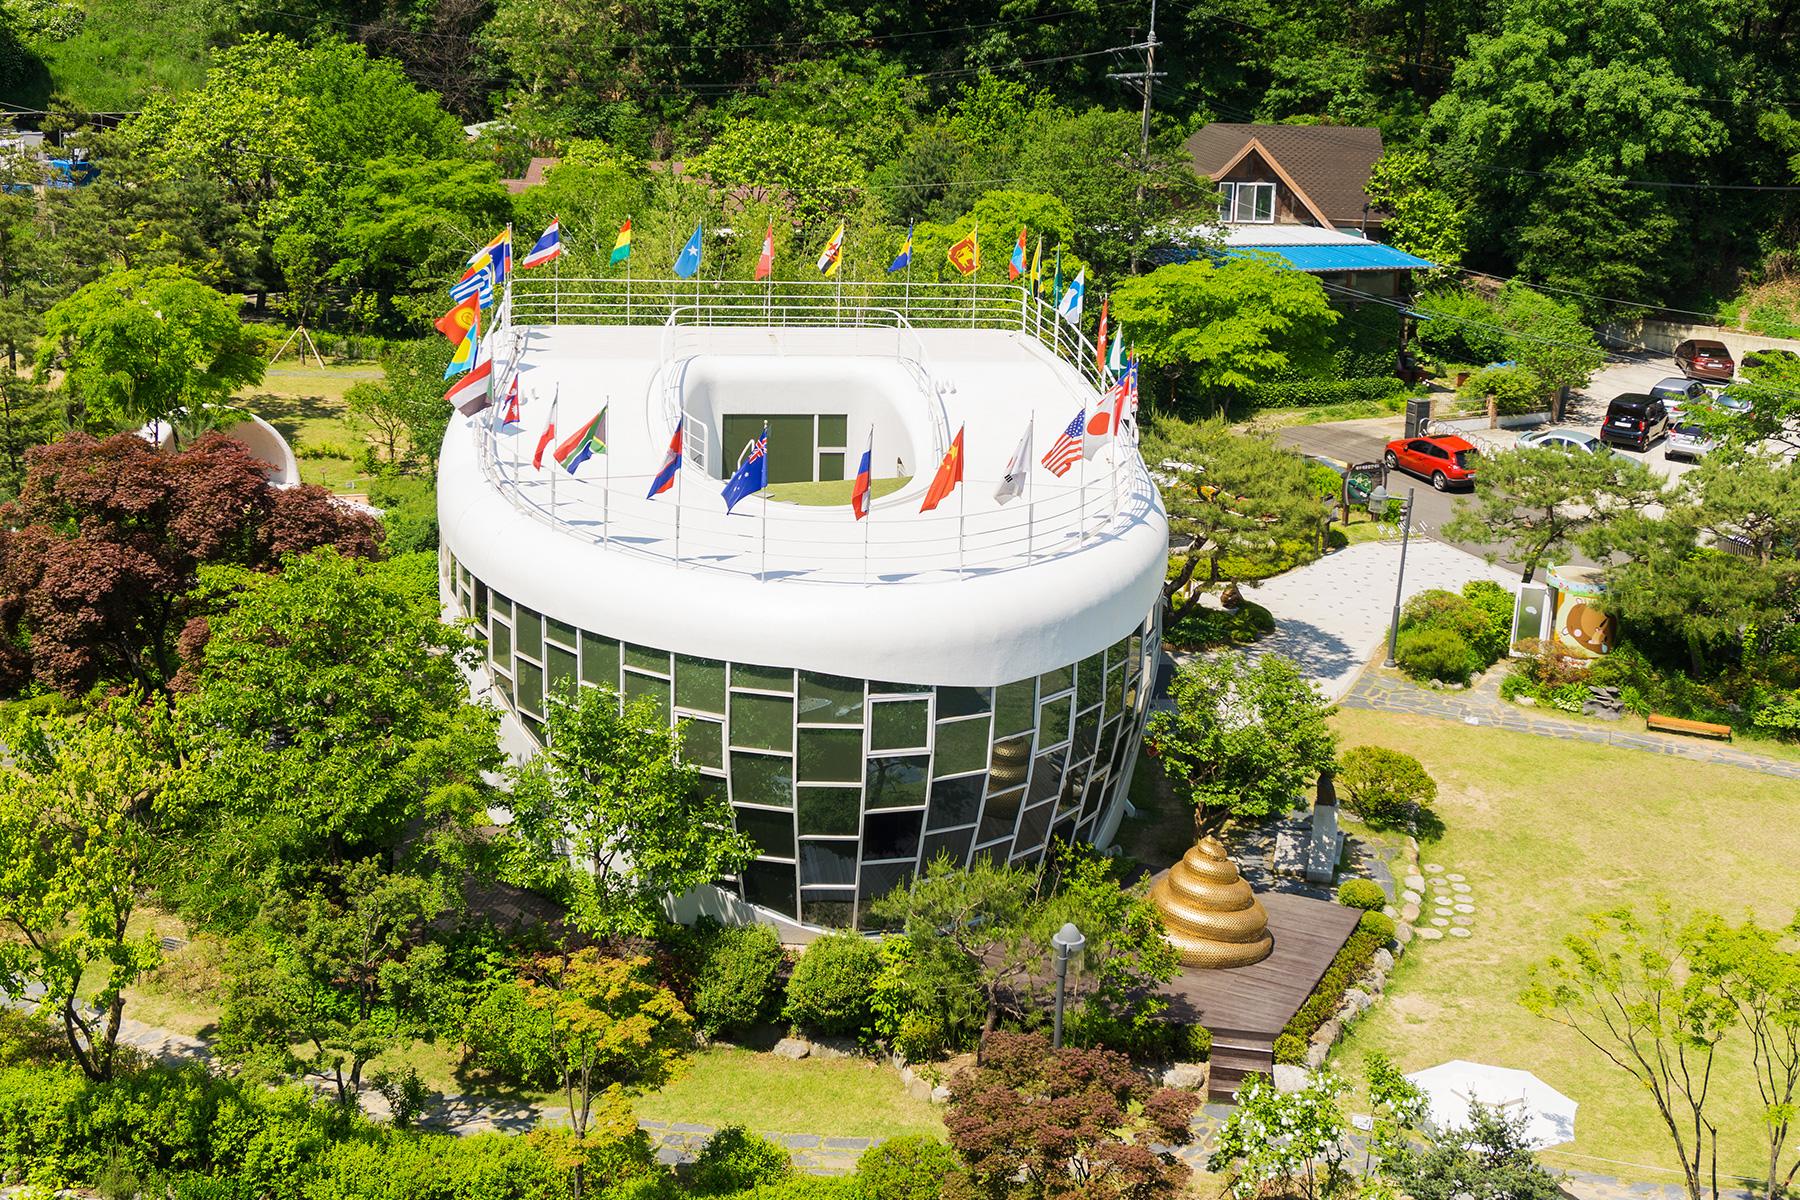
(1451,1087)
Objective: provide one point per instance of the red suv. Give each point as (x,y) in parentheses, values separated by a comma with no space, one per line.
(1705,360)
(1442,460)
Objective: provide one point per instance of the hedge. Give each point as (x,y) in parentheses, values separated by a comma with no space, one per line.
(1316,393)
(1372,932)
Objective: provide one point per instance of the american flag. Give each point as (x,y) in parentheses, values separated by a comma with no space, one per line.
(1065,452)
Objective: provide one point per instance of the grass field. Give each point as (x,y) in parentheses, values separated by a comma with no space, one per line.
(1546,831)
(306,403)
(126,49)
(836,1097)
(827,492)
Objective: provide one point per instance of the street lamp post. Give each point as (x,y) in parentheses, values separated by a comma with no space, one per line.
(1400,581)
(1067,942)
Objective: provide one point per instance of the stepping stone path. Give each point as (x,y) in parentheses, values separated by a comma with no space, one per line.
(1459,933)
(1433,869)
(1447,896)
(1427,933)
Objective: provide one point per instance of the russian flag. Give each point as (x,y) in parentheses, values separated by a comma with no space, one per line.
(859,495)
(545,248)
(665,478)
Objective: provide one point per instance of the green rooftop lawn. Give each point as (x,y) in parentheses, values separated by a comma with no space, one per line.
(827,492)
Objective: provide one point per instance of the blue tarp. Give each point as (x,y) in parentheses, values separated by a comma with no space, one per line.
(1368,256)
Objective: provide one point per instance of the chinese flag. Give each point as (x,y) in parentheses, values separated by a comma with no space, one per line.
(455,323)
(949,474)
(965,255)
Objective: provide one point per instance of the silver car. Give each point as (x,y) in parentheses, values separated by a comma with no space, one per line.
(1569,441)
(1687,441)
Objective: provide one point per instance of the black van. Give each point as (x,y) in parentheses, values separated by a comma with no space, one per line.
(1634,421)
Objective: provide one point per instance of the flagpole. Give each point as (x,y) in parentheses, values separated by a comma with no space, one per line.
(556,288)
(1030,487)
(555,402)
(962,509)
(606,490)
(869,516)
(680,461)
(628,276)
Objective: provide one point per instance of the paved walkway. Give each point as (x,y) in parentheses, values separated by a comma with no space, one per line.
(1380,688)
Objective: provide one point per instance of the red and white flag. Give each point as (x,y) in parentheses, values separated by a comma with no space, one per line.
(1100,338)
(470,394)
(766,263)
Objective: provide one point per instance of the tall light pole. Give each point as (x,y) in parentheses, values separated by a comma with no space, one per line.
(1067,942)
(1400,581)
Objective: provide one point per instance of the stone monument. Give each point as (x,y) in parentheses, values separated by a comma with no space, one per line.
(1212,917)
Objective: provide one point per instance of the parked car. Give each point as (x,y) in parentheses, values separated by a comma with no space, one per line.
(1572,441)
(1764,358)
(1442,460)
(1737,406)
(1676,391)
(1704,360)
(1634,421)
(1688,441)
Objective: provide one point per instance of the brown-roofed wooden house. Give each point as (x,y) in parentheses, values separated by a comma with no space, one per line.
(1291,174)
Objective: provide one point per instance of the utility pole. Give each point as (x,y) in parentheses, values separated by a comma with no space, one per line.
(1146,79)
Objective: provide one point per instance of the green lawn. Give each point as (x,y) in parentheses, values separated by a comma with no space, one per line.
(827,492)
(306,403)
(1546,831)
(843,1097)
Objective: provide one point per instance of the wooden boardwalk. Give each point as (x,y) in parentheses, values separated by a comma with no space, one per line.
(1262,997)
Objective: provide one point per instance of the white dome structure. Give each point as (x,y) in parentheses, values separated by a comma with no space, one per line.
(868,695)
(261,439)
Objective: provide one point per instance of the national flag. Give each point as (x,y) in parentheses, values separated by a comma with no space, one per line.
(470,393)
(671,467)
(1037,266)
(1103,422)
(903,259)
(1012,484)
(1056,280)
(546,248)
(833,252)
(1065,451)
(477,282)
(544,440)
(687,263)
(752,474)
(462,316)
(466,354)
(1115,362)
(1100,336)
(860,490)
(1016,267)
(498,253)
(965,255)
(949,474)
(622,247)
(586,442)
(511,414)
(1069,307)
(765,264)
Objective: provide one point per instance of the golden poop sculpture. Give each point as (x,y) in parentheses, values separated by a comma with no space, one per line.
(1211,915)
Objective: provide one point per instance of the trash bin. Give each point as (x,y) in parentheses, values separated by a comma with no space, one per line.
(1418,411)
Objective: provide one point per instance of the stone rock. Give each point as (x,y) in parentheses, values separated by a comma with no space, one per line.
(1412,847)
(1188,1076)
(1440,922)
(1384,962)
(789,1047)
(1358,999)
(1459,933)
(1433,869)
(1464,908)
(1409,914)
(1414,882)
(1328,1033)
(1403,933)
(1462,889)
(940,1094)
(1454,878)
(1316,1054)
(1464,921)
(830,1047)
(1428,934)
(1390,912)
(1289,1078)
(1409,896)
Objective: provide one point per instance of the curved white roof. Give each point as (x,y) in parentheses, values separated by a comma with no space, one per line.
(974,593)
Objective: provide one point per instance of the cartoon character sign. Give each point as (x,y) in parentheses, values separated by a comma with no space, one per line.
(1582,630)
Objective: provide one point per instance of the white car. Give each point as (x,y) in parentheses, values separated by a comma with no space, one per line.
(1688,441)
(1569,441)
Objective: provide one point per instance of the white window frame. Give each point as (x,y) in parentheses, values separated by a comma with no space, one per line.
(1240,207)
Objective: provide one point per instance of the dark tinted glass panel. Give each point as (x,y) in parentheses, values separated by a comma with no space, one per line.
(961,746)
(1011,760)
(830,810)
(830,699)
(1074,785)
(956,801)
(898,724)
(505,684)
(829,909)
(500,645)
(771,885)
(1064,831)
(1014,706)
(961,702)
(700,684)
(828,862)
(761,779)
(1046,776)
(702,742)
(773,832)
(995,853)
(531,687)
(642,686)
(1000,815)
(878,881)
(1096,794)
(1117,653)
(644,658)
(893,689)
(765,722)
(712,787)
(600,661)
(766,679)
(559,668)
(1088,674)
(1134,652)
(503,606)
(891,835)
(831,465)
(1059,680)
(528,630)
(535,728)
(1033,826)
(560,632)
(481,602)
(1087,730)
(954,843)
(831,430)
(1115,691)
(896,782)
(831,755)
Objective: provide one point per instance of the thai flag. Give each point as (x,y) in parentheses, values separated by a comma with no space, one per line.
(1065,451)
(859,494)
(545,248)
(665,478)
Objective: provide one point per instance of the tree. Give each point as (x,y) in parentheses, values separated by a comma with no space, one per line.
(83,810)
(1535,502)
(1620,985)
(1238,500)
(136,345)
(1772,387)
(1490,1158)
(329,720)
(803,166)
(345,970)
(1219,331)
(1246,737)
(1035,1123)
(1307,1158)
(103,547)
(1423,218)
(608,815)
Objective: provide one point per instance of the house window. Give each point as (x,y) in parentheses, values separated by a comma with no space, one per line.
(1247,202)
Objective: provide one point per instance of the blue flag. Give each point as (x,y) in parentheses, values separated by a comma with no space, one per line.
(752,475)
(903,260)
(688,261)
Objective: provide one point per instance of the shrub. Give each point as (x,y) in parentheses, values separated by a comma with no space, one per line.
(1199,1043)
(511,1038)
(831,986)
(1496,603)
(1290,1050)
(734,1159)
(1441,654)
(1317,393)
(1384,787)
(734,987)
(1377,925)
(408,511)
(1201,626)
(906,1168)
(405,1092)
(1365,894)
(1373,931)
(1514,389)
